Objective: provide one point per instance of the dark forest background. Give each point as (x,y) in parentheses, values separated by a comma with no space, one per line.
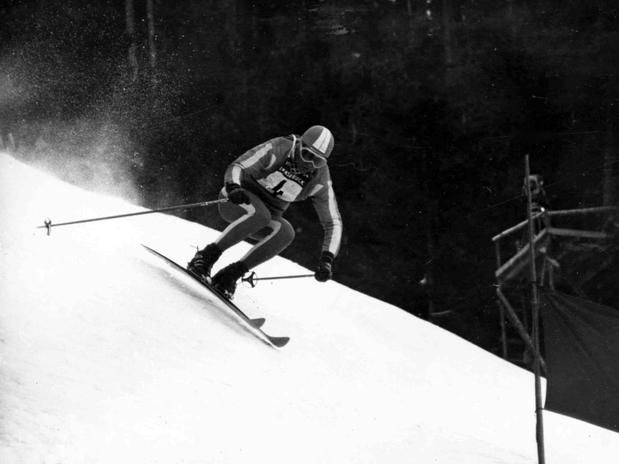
(433,105)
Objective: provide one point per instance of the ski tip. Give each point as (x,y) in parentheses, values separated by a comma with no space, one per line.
(257,323)
(279,341)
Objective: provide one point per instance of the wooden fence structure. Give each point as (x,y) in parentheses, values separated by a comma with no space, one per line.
(512,271)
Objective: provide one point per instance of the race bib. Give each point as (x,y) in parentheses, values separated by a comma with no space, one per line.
(286,183)
(281,187)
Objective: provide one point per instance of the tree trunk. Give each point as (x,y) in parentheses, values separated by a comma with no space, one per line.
(447,26)
(429,226)
(511,19)
(130,30)
(152,52)
(609,182)
(411,21)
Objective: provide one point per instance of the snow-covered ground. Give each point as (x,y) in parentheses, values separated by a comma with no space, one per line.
(107,355)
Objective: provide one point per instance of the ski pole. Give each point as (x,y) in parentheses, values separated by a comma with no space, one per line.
(252,278)
(48,224)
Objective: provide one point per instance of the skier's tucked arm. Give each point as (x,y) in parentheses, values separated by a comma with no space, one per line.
(331,221)
(257,162)
(254,163)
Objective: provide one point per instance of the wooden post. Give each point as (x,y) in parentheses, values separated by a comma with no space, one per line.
(535,322)
(510,312)
(497,250)
(503,331)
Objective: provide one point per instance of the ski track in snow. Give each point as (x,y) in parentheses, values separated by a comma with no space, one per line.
(109,355)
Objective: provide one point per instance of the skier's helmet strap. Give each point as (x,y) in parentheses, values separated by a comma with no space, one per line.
(319,139)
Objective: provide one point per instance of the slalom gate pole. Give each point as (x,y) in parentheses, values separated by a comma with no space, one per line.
(252,279)
(541,459)
(48,224)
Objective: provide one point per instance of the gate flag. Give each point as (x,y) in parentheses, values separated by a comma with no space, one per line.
(581,341)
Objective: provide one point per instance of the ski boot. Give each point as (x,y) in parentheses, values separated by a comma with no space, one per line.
(225,280)
(203,261)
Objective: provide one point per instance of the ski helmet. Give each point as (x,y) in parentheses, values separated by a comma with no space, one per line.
(319,140)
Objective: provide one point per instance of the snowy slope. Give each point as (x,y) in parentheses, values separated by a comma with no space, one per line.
(107,355)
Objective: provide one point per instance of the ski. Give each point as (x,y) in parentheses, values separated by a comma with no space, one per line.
(254,323)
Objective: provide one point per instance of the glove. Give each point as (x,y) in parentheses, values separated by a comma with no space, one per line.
(237,194)
(325,267)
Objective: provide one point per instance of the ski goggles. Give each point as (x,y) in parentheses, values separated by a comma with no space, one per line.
(311,157)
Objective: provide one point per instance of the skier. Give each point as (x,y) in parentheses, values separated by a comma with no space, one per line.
(260,185)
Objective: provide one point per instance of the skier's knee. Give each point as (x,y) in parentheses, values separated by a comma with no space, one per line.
(287,232)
